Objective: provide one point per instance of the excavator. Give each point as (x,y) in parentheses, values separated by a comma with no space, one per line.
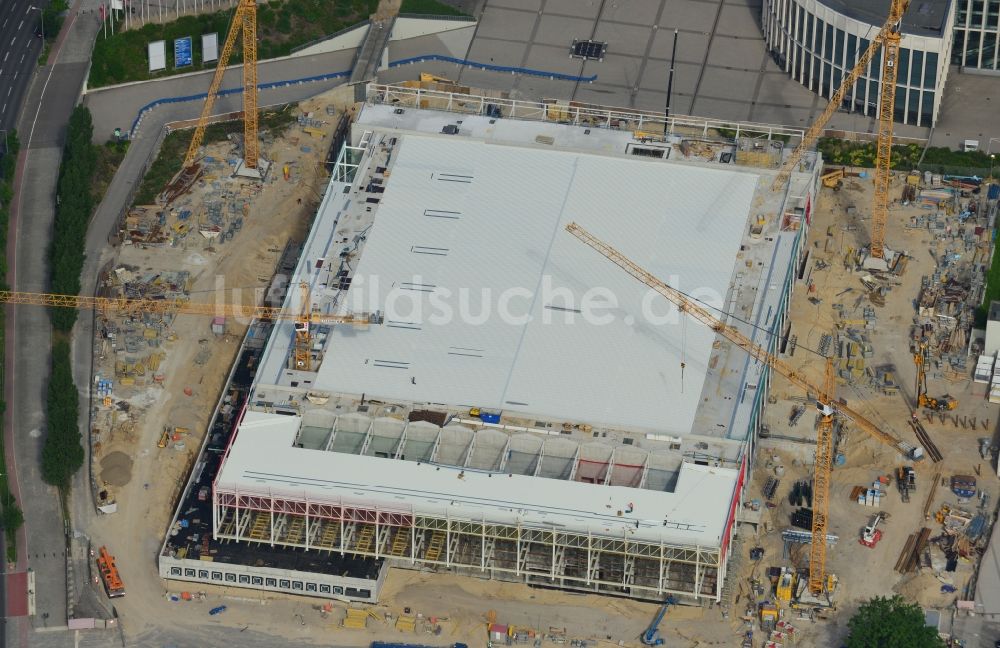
(940,404)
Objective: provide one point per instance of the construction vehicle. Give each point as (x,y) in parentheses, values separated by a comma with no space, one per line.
(651,637)
(768,616)
(888,37)
(906,481)
(826,404)
(833,179)
(244,22)
(871,533)
(113,585)
(941,404)
(786,585)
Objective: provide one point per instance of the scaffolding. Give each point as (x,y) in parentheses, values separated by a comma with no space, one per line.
(555,557)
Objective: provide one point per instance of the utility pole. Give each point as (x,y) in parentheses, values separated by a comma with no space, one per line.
(670,78)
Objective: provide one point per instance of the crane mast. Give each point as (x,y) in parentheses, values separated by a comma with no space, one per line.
(825,396)
(245,23)
(692,308)
(887,103)
(888,38)
(821,483)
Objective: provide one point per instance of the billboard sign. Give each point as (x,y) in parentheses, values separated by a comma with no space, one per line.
(182,52)
(209,48)
(157,55)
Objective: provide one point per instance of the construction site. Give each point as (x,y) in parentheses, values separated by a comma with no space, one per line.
(423,362)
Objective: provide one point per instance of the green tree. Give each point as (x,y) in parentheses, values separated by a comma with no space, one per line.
(891,623)
(62,454)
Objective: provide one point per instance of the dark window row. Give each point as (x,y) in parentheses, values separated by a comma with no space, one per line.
(970,44)
(259,581)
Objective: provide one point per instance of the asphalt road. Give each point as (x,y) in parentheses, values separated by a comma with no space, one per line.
(49,99)
(19,51)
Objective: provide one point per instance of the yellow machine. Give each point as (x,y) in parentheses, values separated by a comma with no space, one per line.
(826,402)
(941,404)
(833,179)
(768,616)
(888,38)
(426,77)
(784,589)
(244,22)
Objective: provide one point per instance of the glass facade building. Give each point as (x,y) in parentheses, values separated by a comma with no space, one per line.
(977,29)
(819,41)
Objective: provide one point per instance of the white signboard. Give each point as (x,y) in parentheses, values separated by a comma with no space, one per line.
(118,5)
(157,55)
(209,47)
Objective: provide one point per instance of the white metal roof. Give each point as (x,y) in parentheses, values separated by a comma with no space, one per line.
(263,454)
(460,216)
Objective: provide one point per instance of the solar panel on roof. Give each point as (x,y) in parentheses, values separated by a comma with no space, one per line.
(589,50)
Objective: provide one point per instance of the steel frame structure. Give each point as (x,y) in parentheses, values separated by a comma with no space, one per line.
(575,113)
(551,556)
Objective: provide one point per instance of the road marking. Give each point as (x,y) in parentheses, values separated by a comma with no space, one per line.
(5,57)
(5,21)
(4,109)
(20,25)
(22,58)
(8,91)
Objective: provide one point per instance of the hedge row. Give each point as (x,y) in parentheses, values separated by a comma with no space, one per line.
(11,516)
(62,453)
(73,208)
(281,26)
(904,157)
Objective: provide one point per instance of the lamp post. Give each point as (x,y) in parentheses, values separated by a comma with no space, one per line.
(993,157)
(990,144)
(41,17)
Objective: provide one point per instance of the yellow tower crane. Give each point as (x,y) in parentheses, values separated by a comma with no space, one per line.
(123,306)
(826,403)
(245,23)
(888,37)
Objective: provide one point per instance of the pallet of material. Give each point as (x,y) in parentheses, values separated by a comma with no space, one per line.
(406,624)
(909,557)
(357,619)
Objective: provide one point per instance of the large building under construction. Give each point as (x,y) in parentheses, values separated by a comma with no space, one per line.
(514,405)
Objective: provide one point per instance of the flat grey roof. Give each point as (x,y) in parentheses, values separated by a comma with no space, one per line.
(485,294)
(923,18)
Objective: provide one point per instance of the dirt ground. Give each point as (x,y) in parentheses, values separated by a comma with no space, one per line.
(146,479)
(866,572)
(461,605)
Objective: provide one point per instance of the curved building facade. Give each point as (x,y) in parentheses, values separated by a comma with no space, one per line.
(819,41)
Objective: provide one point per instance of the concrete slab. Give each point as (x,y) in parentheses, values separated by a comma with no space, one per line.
(688,15)
(691,47)
(736,53)
(624,39)
(741,20)
(727,84)
(623,72)
(521,5)
(579,8)
(553,59)
(509,24)
(643,13)
(721,108)
(654,77)
(561,31)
